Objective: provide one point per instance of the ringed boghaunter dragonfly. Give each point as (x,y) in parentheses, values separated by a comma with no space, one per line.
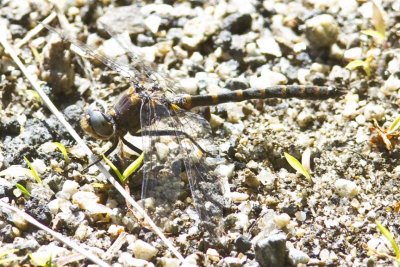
(177,143)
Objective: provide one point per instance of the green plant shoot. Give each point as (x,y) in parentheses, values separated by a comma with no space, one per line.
(33,171)
(114,168)
(394,126)
(133,166)
(386,233)
(297,166)
(23,190)
(128,171)
(63,150)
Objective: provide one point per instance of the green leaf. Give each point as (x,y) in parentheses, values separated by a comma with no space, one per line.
(33,171)
(23,190)
(63,150)
(394,126)
(297,166)
(375,34)
(386,233)
(114,168)
(41,258)
(133,166)
(378,18)
(359,63)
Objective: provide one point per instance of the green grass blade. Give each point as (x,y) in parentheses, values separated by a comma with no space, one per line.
(33,171)
(386,233)
(114,168)
(23,190)
(63,151)
(394,126)
(133,166)
(297,166)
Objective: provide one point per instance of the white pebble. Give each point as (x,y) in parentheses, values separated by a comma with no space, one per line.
(282,220)
(84,199)
(127,260)
(301,216)
(352,53)
(372,111)
(225,170)
(168,262)
(189,85)
(115,230)
(238,197)
(162,151)
(360,119)
(39,166)
(346,188)
(324,255)
(297,257)
(70,187)
(143,250)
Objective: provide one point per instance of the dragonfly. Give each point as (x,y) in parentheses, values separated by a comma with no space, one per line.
(177,143)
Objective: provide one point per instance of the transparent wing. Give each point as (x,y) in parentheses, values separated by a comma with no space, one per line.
(124,70)
(172,141)
(163,82)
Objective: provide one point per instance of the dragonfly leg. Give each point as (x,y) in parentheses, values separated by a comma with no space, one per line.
(134,148)
(108,152)
(171,133)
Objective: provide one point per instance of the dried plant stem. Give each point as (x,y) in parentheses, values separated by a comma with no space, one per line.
(59,236)
(82,144)
(35,30)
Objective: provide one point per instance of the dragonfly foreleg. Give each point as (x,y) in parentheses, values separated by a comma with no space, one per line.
(108,152)
(129,145)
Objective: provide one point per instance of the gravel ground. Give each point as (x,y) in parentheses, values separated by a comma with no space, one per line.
(276,217)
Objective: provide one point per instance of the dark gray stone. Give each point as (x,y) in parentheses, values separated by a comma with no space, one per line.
(272,251)
(237,23)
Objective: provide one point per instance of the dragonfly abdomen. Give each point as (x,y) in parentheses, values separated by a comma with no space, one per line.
(279,91)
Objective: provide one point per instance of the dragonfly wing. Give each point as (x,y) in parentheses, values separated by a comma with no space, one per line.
(162,164)
(188,136)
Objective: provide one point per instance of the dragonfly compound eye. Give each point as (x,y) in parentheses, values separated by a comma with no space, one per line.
(98,124)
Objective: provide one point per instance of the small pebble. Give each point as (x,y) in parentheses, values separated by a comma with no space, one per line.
(346,188)
(282,220)
(189,85)
(238,197)
(225,170)
(162,151)
(268,45)
(232,262)
(213,255)
(372,111)
(169,262)
(322,31)
(324,255)
(20,222)
(353,53)
(143,250)
(243,244)
(272,251)
(115,230)
(297,257)
(127,260)
(70,187)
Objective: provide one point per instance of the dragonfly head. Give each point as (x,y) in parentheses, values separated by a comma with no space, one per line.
(97,123)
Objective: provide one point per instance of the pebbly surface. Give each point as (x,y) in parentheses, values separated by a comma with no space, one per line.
(276,217)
